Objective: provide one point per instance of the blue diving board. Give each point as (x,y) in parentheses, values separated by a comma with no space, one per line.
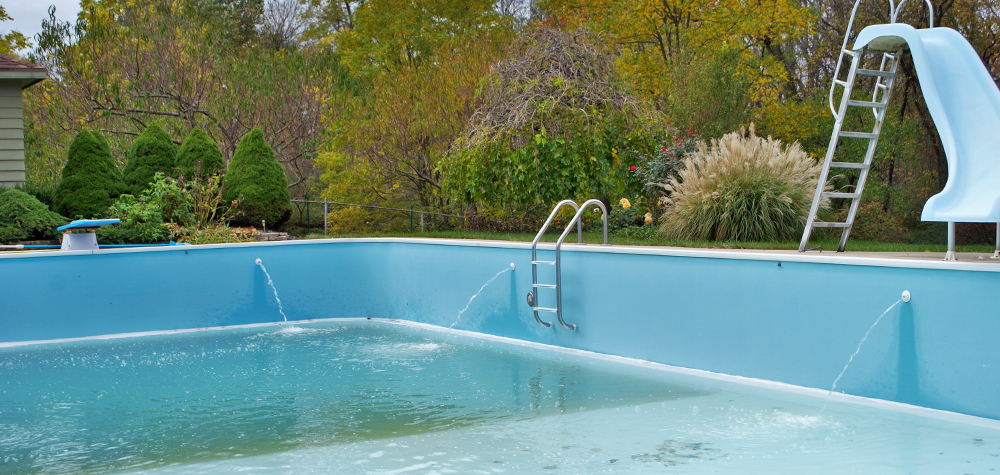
(87,224)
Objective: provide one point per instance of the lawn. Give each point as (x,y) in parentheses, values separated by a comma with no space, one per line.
(594,237)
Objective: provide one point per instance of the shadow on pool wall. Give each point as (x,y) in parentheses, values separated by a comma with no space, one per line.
(734,313)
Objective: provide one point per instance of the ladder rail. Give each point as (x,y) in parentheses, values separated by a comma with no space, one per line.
(576,219)
(834,138)
(534,254)
(870,152)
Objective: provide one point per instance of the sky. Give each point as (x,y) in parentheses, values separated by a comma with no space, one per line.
(28,14)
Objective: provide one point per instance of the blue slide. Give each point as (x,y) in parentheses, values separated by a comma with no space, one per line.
(965,104)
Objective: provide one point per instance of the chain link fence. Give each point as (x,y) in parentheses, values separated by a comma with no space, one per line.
(331,217)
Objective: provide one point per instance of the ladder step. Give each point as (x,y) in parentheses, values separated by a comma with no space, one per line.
(824,224)
(543,309)
(838,81)
(547,263)
(875,72)
(859,135)
(848,165)
(829,194)
(876,105)
(544,286)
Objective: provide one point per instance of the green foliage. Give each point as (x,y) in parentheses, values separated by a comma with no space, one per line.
(45,194)
(153,151)
(175,202)
(257,176)
(653,170)
(199,156)
(548,169)
(22,217)
(90,180)
(141,222)
(743,188)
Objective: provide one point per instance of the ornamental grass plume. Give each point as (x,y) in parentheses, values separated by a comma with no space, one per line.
(742,188)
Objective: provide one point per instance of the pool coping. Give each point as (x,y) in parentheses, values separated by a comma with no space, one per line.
(751,255)
(892,406)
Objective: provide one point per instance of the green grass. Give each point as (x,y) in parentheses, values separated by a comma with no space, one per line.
(594,237)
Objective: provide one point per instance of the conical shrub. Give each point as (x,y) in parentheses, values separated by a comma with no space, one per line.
(199,156)
(153,151)
(90,180)
(257,175)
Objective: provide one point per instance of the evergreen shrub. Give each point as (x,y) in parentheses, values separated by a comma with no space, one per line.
(22,218)
(199,156)
(153,151)
(255,174)
(90,180)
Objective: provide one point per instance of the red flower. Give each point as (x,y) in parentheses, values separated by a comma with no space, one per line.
(632,168)
(664,150)
(690,133)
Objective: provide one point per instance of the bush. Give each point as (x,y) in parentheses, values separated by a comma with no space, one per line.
(215,234)
(172,197)
(141,222)
(43,193)
(199,156)
(873,223)
(659,167)
(743,188)
(152,152)
(90,180)
(255,174)
(22,217)
(627,214)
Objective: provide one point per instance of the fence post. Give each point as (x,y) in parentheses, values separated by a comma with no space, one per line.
(326,214)
(411,223)
(307,215)
(421,221)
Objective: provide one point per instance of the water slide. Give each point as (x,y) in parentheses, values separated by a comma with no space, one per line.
(965,104)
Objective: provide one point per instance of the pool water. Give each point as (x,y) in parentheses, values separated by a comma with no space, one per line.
(357,397)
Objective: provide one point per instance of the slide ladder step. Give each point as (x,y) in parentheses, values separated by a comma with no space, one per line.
(875,105)
(825,224)
(859,135)
(832,194)
(862,166)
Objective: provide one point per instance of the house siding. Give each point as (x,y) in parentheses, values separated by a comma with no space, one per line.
(11,133)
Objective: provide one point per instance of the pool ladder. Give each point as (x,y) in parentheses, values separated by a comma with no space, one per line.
(533,295)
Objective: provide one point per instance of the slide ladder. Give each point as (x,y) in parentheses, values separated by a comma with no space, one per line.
(885,77)
(557,263)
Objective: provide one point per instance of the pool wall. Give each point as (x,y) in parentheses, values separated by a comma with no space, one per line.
(737,313)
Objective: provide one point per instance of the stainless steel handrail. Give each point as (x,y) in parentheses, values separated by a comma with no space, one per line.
(534,251)
(893,13)
(575,220)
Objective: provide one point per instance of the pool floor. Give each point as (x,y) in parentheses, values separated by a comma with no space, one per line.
(374,397)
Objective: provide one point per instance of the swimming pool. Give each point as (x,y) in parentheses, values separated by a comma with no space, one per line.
(756,320)
(366,396)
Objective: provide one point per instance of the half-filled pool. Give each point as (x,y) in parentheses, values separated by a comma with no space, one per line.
(356,396)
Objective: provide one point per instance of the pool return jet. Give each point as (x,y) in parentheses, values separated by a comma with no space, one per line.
(962,99)
(533,295)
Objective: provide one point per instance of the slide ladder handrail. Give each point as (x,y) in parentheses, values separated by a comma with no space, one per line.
(893,14)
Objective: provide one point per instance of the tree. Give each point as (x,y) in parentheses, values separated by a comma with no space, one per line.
(181,64)
(553,122)
(154,151)
(199,156)
(14,41)
(255,175)
(90,180)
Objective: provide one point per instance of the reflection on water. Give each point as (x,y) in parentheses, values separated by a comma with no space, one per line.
(154,401)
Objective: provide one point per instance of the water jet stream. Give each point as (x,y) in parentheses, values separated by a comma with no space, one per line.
(488,282)
(856,353)
(271,283)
